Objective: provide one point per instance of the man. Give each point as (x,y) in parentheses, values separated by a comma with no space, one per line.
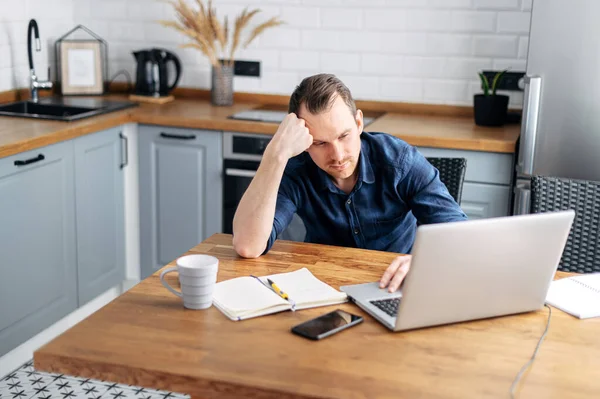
(349,187)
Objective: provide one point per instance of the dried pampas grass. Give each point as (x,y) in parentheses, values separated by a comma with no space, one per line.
(209,35)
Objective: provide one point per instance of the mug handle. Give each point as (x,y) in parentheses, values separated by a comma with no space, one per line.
(167,286)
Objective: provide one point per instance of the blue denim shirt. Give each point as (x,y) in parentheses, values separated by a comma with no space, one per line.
(396,188)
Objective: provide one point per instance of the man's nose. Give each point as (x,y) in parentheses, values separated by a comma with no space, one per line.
(337,152)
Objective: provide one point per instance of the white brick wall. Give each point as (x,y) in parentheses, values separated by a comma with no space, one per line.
(398,50)
(54,19)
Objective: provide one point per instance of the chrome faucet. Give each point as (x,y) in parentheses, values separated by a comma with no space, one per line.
(34,84)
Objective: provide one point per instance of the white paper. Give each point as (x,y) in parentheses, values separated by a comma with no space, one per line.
(579,296)
(82,68)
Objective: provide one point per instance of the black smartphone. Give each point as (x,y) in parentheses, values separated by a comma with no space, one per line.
(326,325)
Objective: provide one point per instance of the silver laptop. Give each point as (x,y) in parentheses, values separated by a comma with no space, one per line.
(472,270)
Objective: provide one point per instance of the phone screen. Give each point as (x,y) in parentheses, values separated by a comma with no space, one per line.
(326,324)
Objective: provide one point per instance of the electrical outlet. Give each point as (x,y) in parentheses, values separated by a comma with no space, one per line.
(509,82)
(246,68)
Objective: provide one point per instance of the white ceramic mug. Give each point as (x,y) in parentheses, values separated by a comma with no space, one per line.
(197,277)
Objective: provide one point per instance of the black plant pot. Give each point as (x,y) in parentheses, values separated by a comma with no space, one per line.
(490,110)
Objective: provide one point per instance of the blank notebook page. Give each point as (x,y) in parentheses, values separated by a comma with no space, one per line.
(246,293)
(579,296)
(303,287)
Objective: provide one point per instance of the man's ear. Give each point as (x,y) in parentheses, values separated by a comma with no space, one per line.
(359,121)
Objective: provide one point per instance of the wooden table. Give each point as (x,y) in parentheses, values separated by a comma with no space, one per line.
(145,337)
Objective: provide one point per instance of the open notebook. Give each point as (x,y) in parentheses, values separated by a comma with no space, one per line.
(245,297)
(579,296)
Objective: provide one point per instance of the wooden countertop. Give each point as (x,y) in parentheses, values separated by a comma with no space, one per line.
(21,134)
(145,337)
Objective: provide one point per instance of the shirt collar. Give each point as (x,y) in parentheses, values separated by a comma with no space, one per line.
(365,171)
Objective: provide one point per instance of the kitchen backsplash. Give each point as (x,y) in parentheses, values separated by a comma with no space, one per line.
(54,17)
(425,51)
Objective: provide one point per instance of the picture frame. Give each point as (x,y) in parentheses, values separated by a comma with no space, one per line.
(81,67)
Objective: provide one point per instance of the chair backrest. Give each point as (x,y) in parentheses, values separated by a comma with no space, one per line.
(582,252)
(452,174)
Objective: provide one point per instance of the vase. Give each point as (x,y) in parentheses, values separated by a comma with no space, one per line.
(221,92)
(490,110)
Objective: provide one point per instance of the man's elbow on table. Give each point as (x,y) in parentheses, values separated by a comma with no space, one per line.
(247,249)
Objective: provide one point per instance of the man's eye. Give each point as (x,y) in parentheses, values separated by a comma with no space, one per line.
(318,144)
(343,136)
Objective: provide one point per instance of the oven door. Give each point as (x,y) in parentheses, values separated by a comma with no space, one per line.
(237,176)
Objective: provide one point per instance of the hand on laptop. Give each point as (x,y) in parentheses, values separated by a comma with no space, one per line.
(395,273)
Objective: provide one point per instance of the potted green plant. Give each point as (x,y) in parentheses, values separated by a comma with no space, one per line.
(490,108)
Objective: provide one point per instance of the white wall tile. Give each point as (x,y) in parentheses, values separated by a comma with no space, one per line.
(423,67)
(402,89)
(283,38)
(342,18)
(385,19)
(108,9)
(320,40)
(404,50)
(279,82)
(144,10)
(362,3)
(513,22)
(446,91)
(513,65)
(497,4)
(380,64)
(449,44)
(301,17)
(466,4)
(523,46)
(496,46)
(429,20)
(457,68)
(300,60)
(339,63)
(473,21)
(361,86)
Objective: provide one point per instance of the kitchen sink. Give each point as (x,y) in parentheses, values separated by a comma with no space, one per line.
(63,109)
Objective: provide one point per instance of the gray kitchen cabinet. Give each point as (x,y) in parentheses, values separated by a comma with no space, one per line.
(480,201)
(100,212)
(38,275)
(488,179)
(180,192)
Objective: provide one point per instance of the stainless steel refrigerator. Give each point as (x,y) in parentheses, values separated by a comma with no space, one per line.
(560,129)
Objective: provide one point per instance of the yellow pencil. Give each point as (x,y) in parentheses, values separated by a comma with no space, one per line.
(277,290)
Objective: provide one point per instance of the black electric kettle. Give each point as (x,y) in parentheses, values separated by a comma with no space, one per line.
(152,74)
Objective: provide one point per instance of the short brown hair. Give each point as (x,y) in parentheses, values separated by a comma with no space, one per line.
(318,92)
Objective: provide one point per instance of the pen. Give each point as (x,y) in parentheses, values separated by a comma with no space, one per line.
(277,290)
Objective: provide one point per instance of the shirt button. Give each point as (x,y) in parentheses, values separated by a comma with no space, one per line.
(349,202)
(355,231)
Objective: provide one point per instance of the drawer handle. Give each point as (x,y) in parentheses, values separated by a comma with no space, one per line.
(178,136)
(30,161)
(239,172)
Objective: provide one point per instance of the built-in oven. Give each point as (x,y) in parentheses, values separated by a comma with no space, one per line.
(242,153)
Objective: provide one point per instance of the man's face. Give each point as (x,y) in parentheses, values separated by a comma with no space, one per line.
(336,138)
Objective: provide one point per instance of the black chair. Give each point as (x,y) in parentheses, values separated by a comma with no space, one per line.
(582,252)
(452,174)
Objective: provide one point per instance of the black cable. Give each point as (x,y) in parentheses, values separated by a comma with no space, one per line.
(127,76)
(537,348)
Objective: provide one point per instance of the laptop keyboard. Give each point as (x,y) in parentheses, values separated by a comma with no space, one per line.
(389,306)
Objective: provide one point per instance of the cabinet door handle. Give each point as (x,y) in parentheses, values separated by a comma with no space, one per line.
(239,172)
(178,136)
(30,160)
(125,157)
